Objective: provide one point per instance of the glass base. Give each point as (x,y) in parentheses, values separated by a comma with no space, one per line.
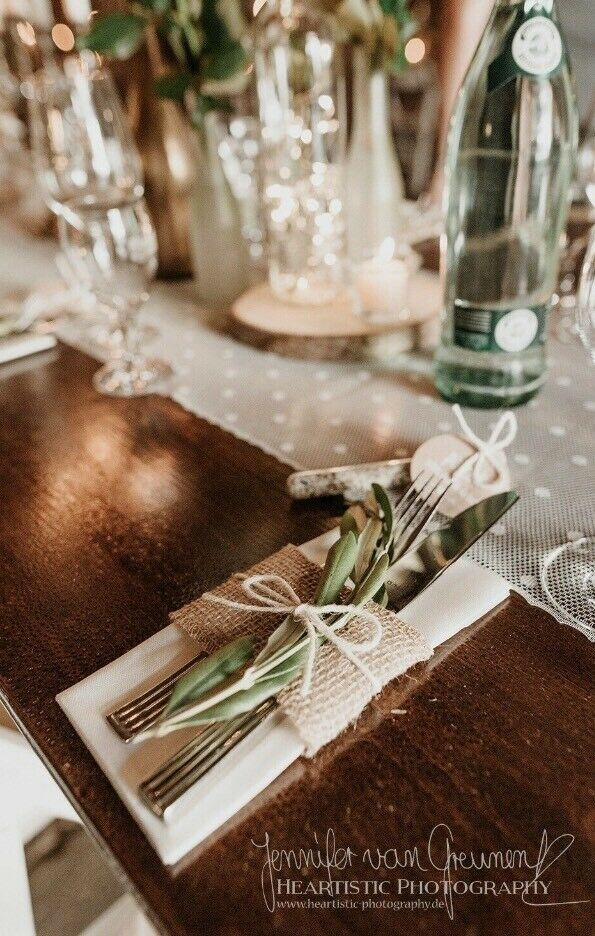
(133,378)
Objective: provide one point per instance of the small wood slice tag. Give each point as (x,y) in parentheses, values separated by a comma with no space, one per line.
(443,455)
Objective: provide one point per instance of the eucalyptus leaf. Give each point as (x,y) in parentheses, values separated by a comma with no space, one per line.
(337,569)
(209,672)
(116,34)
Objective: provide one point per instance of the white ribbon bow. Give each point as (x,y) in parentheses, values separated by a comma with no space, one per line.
(273,594)
(503,434)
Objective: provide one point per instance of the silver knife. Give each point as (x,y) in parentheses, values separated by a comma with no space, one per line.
(412,574)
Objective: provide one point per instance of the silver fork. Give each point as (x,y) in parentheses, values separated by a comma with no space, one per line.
(165,788)
(143,711)
(162,790)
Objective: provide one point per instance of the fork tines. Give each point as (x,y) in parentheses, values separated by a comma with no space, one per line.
(416,509)
(143,711)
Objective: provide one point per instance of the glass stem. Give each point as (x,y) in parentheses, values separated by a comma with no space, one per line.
(128,335)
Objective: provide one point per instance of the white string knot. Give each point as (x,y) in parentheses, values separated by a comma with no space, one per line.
(272,594)
(503,434)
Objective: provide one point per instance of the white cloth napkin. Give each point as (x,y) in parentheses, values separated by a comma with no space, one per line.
(464,593)
(19,346)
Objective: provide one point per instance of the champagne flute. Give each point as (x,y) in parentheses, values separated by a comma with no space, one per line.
(111,247)
(585,300)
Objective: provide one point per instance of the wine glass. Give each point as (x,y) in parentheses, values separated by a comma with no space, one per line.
(568,580)
(585,300)
(81,142)
(82,148)
(568,571)
(112,250)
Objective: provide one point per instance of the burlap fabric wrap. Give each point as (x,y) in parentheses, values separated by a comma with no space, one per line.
(339,692)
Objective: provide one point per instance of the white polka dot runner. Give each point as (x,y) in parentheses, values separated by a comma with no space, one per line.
(319,414)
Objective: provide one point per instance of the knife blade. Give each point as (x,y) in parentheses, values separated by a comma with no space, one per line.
(412,574)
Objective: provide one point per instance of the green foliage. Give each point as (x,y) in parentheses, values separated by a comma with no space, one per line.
(382,27)
(220,687)
(117,34)
(204,37)
(338,567)
(225,62)
(372,582)
(210,672)
(156,6)
(173,85)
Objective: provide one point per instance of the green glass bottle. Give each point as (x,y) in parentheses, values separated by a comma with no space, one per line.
(509,168)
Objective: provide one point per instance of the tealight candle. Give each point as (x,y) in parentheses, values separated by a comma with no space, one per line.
(382,286)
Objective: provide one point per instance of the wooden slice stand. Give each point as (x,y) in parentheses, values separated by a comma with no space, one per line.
(333,331)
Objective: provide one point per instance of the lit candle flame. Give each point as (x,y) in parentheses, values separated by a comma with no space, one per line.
(386,251)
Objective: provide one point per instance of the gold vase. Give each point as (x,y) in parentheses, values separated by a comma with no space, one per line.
(163,138)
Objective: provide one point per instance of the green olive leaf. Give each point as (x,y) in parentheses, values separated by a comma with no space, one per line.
(240,702)
(225,63)
(367,546)
(337,569)
(381,597)
(372,582)
(349,524)
(209,672)
(157,6)
(282,637)
(383,502)
(172,85)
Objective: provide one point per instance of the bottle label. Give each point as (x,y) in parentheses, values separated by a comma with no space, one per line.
(534,47)
(497,330)
(537,46)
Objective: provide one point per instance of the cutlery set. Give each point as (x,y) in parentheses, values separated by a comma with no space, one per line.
(423,557)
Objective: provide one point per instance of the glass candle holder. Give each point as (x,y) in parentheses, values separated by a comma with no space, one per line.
(301,104)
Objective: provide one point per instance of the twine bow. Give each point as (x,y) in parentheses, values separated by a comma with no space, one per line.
(503,434)
(272,594)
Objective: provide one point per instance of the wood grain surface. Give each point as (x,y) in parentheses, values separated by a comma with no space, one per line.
(112,514)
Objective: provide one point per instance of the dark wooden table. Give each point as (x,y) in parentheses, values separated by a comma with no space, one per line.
(114,513)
